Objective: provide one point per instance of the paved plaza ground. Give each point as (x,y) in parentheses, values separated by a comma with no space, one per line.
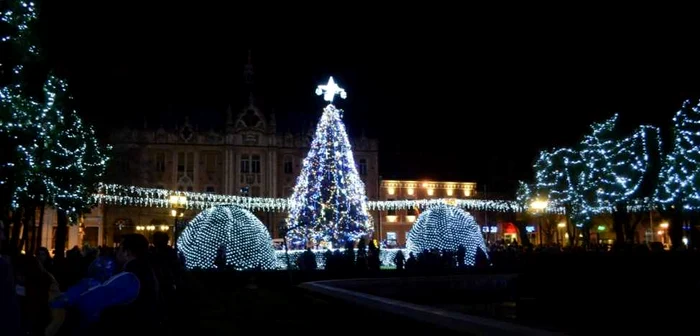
(210,306)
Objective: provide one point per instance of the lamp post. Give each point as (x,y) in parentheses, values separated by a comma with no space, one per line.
(179,203)
(662,232)
(560,226)
(538,206)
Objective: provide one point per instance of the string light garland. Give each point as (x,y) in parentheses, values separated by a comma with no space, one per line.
(446,227)
(329,203)
(246,241)
(121,195)
(679,178)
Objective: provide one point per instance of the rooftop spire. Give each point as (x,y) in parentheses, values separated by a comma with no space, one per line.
(248,69)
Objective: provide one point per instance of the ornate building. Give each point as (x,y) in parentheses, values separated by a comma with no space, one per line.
(248,156)
(395,224)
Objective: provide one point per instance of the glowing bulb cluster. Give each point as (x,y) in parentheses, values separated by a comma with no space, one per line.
(446,227)
(244,238)
(329,203)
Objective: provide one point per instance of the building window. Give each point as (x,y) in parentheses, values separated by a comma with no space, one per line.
(210,189)
(390,212)
(189,168)
(180,163)
(255,191)
(210,162)
(391,237)
(160,162)
(255,164)
(245,163)
(185,170)
(288,165)
(124,164)
(362,167)
(185,164)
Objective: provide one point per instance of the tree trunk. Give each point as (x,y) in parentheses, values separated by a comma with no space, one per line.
(694,240)
(570,229)
(61,233)
(675,230)
(619,223)
(16,227)
(631,228)
(40,229)
(524,239)
(27,223)
(6,219)
(31,242)
(586,232)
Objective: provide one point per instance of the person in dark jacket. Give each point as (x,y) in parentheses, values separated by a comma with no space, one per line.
(137,317)
(9,307)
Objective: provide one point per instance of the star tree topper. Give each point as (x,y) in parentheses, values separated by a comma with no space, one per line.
(330,90)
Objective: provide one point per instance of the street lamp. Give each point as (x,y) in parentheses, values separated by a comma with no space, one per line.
(560,226)
(178,202)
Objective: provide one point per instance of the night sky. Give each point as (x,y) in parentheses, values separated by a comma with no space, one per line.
(463,97)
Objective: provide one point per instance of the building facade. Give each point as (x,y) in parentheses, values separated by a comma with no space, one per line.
(248,157)
(395,224)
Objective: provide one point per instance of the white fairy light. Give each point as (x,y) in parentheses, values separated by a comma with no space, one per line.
(446,228)
(246,241)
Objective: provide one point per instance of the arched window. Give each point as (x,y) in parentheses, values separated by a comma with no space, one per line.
(288,164)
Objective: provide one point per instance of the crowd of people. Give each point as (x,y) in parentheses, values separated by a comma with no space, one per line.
(102,291)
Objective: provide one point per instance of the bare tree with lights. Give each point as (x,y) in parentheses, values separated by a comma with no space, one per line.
(56,160)
(678,191)
(620,171)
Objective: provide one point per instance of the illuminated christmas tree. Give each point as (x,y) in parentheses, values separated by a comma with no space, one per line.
(329,201)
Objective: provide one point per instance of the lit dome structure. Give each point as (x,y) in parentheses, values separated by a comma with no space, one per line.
(446,227)
(246,240)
